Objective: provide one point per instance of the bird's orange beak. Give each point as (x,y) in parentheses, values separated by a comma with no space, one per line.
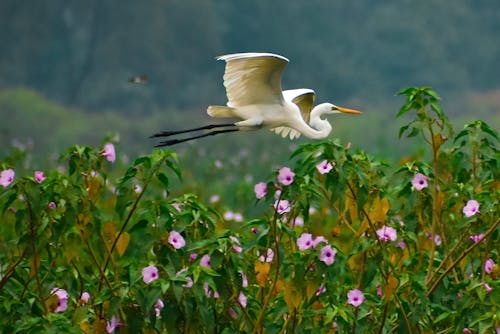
(349,111)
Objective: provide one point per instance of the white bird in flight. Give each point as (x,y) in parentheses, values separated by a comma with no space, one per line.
(255,98)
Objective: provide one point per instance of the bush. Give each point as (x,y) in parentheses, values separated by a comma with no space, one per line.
(347,244)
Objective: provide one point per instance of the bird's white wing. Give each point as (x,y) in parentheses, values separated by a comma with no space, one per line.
(304,99)
(253,78)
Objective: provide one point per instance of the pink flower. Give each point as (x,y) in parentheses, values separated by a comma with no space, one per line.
(229,215)
(52,205)
(269,256)
(111,326)
(471,208)
(205,261)
(193,256)
(242,299)
(189,280)
(62,302)
(466,330)
(282,206)
(176,240)
(109,152)
(208,292)
(305,241)
(387,233)
(85,297)
(321,289)
(476,238)
(6,177)
(237,248)
(318,240)
(39,177)
(324,167)
(379,291)
(327,255)
(299,221)
(285,176)
(149,274)
(158,306)
(244,279)
(233,313)
(355,297)
(488,266)
(487,287)
(419,181)
(401,244)
(177,207)
(260,190)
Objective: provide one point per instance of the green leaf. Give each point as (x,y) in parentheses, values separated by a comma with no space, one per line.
(174,168)
(414,132)
(485,128)
(462,133)
(163,179)
(436,107)
(406,91)
(402,130)
(129,174)
(443,316)
(145,160)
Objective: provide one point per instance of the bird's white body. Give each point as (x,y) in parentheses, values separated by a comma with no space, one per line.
(255,98)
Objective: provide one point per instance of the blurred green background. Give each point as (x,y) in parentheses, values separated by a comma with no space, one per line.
(65,65)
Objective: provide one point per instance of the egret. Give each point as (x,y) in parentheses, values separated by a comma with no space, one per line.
(255,98)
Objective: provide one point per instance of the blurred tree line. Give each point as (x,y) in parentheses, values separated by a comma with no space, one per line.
(81,53)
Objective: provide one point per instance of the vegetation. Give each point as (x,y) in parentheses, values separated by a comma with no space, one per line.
(341,241)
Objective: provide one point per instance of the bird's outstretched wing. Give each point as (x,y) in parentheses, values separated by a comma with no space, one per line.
(304,99)
(253,78)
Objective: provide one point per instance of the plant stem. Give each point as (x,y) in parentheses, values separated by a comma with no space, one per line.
(33,238)
(461,257)
(435,185)
(127,220)
(10,271)
(258,324)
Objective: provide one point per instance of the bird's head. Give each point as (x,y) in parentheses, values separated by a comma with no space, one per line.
(329,108)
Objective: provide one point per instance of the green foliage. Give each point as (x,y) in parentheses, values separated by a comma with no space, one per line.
(90,227)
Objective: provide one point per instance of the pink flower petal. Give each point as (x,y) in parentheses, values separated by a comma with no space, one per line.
(260,190)
(471,208)
(109,152)
(7,177)
(355,297)
(327,255)
(285,176)
(305,241)
(205,261)
(176,240)
(149,274)
(419,181)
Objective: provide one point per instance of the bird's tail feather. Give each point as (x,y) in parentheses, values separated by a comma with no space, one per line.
(221,112)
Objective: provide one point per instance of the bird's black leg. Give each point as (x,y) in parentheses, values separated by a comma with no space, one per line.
(177,141)
(176,132)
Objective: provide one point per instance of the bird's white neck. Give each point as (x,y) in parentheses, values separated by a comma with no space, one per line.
(319,128)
